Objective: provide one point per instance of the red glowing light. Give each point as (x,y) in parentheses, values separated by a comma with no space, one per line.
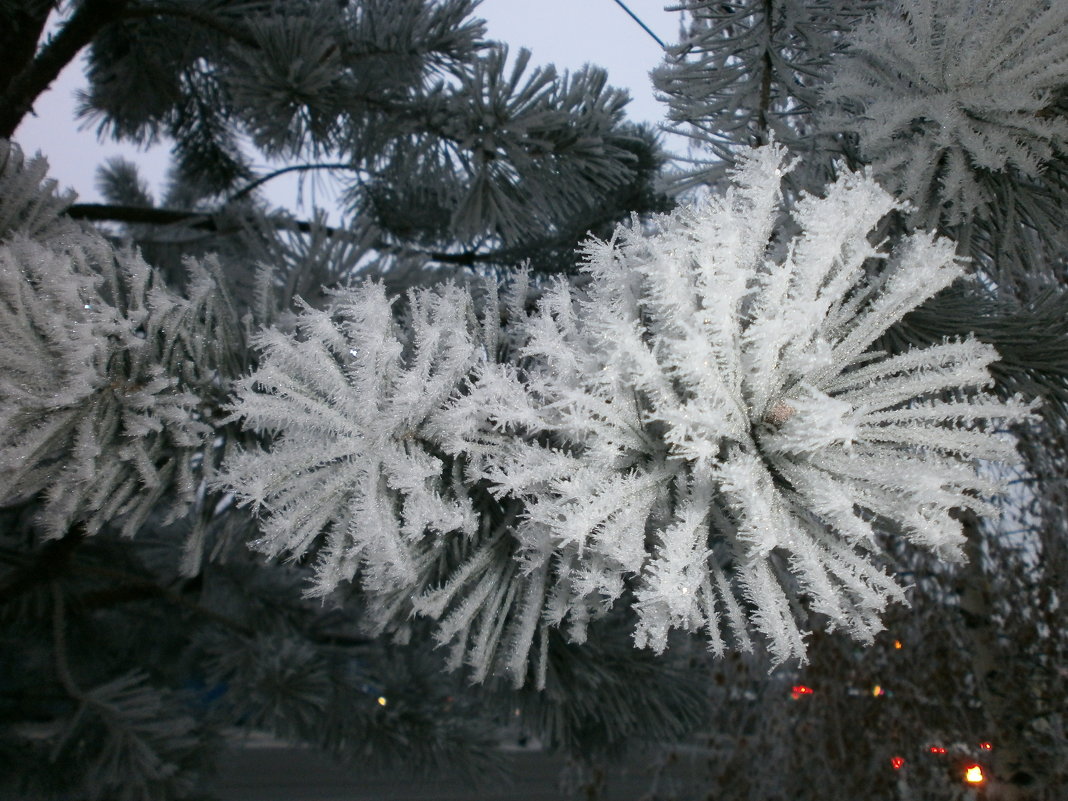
(973,774)
(800,689)
(897,762)
(897,645)
(937,749)
(985,746)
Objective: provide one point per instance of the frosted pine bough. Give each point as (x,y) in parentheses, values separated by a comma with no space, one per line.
(943,94)
(703,431)
(93,417)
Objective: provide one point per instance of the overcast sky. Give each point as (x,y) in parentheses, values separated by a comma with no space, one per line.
(567,33)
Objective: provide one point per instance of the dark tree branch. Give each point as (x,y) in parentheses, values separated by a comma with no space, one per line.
(143,215)
(18,97)
(21,27)
(22,80)
(217,223)
(245,190)
(212,223)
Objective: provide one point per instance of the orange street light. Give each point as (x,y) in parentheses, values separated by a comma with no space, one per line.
(973,774)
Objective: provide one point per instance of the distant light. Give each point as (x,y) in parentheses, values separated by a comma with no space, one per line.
(937,749)
(877,690)
(973,774)
(985,746)
(897,645)
(800,689)
(382,700)
(897,762)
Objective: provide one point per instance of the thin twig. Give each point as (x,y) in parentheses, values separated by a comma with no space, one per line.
(245,190)
(59,639)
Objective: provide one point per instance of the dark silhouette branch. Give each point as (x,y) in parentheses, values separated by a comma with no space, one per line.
(245,190)
(20,87)
(142,215)
(21,27)
(19,95)
(212,222)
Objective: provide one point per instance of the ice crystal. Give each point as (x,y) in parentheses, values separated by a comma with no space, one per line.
(941,92)
(721,436)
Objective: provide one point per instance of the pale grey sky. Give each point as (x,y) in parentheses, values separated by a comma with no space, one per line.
(567,33)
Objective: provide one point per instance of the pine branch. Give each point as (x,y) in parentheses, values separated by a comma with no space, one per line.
(212,222)
(21,26)
(18,98)
(209,21)
(207,221)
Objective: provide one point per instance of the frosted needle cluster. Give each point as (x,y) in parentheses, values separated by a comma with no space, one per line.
(703,428)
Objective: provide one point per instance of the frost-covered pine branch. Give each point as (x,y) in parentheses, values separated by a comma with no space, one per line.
(944,94)
(349,395)
(98,415)
(703,429)
(748,72)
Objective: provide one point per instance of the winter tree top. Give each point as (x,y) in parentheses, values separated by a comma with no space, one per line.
(705,430)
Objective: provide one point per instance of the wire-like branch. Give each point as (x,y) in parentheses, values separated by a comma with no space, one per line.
(245,190)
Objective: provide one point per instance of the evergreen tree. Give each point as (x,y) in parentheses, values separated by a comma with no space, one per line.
(136,655)
(741,417)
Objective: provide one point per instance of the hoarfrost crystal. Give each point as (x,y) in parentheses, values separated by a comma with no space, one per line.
(704,428)
(943,91)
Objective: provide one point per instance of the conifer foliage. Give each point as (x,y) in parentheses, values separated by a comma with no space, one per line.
(703,425)
(91,416)
(944,95)
(756,418)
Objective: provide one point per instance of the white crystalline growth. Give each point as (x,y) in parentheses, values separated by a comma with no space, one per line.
(346,399)
(940,92)
(704,428)
(722,437)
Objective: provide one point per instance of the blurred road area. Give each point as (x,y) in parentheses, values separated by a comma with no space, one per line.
(289,774)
